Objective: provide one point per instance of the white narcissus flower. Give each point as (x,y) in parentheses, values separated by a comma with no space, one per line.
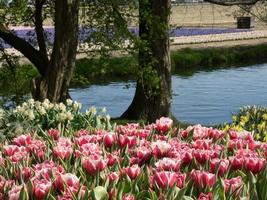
(62,107)
(104,110)
(77,106)
(52,105)
(30,115)
(24,104)
(46,104)
(2,113)
(42,111)
(20,110)
(91,110)
(31,102)
(46,101)
(69,116)
(62,117)
(38,104)
(69,102)
(56,107)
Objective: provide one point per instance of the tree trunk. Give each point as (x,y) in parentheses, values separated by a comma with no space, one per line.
(26,49)
(151,104)
(55,83)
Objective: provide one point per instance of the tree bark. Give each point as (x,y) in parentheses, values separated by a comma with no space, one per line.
(154,16)
(33,55)
(55,83)
(38,22)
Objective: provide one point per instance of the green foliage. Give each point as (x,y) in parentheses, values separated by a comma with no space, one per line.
(87,71)
(34,116)
(188,61)
(185,62)
(105,69)
(15,82)
(253,119)
(21,12)
(109,22)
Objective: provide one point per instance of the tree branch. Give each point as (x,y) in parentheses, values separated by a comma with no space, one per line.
(26,49)
(232,2)
(38,22)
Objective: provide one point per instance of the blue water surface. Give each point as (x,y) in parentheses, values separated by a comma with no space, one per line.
(206,97)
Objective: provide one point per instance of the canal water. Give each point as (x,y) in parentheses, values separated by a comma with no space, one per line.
(206,97)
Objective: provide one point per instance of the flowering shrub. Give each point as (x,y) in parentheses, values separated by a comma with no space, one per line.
(253,119)
(156,161)
(34,115)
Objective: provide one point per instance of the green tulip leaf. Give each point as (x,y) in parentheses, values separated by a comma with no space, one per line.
(187,198)
(23,195)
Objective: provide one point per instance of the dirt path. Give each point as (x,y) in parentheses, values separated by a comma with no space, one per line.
(223,44)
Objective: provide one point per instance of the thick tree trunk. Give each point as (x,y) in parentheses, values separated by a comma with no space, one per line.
(55,83)
(154,19)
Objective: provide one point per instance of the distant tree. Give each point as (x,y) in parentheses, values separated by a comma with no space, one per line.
(108,22)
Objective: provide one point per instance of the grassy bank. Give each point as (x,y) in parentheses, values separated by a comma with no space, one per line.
(185,62)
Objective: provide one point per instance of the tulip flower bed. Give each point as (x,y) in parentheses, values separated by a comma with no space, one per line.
(156,161)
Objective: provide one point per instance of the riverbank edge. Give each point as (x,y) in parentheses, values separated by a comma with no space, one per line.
(185,62)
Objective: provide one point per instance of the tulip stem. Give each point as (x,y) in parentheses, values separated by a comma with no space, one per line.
(97,179)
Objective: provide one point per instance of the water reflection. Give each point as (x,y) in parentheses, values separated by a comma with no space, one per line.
(205,97)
